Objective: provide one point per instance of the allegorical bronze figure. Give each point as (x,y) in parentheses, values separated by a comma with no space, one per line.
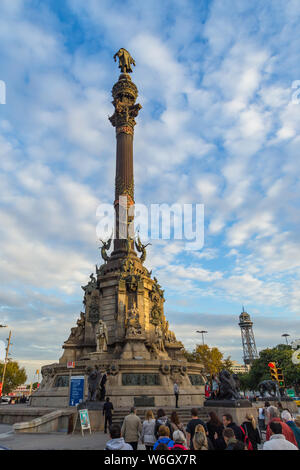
(125,60)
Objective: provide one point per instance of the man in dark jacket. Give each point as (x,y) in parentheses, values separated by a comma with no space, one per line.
(107,413)
(191,426)
(228,423)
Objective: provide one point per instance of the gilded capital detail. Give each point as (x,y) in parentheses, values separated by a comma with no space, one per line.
(124,94)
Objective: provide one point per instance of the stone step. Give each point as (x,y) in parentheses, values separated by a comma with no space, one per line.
(183,413)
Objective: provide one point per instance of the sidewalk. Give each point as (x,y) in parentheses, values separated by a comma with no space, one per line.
(53,441)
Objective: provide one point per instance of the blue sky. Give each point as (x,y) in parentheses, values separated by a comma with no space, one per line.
(218,124)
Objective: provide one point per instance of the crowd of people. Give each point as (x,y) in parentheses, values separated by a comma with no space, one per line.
(282,432)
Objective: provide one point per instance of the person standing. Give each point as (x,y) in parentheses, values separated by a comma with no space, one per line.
(228,423)
(176,393)
(200,439)
(215,431)
(207,390)
(107,413)
(229,438)
(102,386)
(261,419)
(164,437)
(116,442)
(251,431)
(215,386)
(161,419)
(191,426)
(176,424)
(179,441)
(132,428)
(277,440)
(273,416)
(147,436)
(287,418)
(267,404)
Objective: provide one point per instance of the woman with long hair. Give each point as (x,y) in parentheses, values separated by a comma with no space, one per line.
(176,425)
(147,436)
(251,431)
(215,431)
(200,439)
(161,420)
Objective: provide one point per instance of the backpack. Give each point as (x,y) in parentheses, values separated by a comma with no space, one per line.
(247,441)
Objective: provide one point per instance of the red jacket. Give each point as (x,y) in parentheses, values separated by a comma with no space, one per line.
(286,431)
(207,390)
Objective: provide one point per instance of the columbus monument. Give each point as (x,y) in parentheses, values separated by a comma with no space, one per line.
(122,330)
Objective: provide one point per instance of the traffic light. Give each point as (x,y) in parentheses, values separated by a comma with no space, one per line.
(273,371)
(280,378)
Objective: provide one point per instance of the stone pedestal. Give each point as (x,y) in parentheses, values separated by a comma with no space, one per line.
(95,409)
(238,409)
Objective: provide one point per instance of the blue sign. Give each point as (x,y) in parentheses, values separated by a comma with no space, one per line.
(76,390)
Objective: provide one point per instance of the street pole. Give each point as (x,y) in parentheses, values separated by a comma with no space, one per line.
(5,361)
(202,333)
(285,335)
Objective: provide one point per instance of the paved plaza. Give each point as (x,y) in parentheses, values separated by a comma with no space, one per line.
(53,441)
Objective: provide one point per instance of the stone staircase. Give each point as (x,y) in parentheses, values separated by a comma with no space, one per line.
(184,414)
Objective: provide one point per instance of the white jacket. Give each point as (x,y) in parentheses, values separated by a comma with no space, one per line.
(278,442)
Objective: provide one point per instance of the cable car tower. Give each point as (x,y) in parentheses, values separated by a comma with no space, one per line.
(249,346)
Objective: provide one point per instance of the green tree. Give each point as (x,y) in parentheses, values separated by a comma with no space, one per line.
(211,358)
(282,356)
(14,376)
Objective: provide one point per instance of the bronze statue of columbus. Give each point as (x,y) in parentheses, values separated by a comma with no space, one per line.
(125,60)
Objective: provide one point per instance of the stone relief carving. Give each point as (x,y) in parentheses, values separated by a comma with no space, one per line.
(169,335)
(48,374)
(94,308)
(133,326)
(77,332)
(165,369)
(156,313)
(157,288)
(89,288)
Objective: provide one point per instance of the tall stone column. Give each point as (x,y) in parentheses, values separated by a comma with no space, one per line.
(124,94)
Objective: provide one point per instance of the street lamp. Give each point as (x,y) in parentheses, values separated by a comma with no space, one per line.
(202,333)
(285,335)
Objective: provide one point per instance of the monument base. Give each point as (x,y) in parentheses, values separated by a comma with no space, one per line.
(129,383)
(91,405)
(228,403)
(238,409)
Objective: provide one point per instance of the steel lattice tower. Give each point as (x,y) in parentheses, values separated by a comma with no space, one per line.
(249,346)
